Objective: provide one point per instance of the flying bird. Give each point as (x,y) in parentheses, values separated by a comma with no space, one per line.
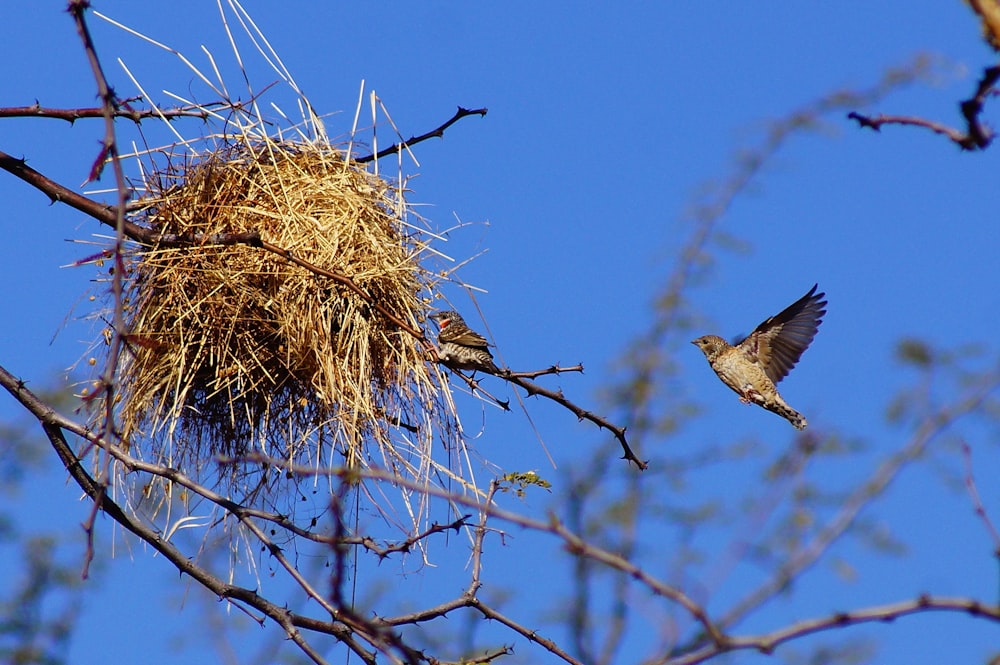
(460,347)
(753,366)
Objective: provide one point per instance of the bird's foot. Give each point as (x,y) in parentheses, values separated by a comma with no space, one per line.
(751,395)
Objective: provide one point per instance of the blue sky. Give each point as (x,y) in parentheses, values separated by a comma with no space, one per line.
(605,123)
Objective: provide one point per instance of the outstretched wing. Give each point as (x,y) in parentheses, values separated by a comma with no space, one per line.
(778,343)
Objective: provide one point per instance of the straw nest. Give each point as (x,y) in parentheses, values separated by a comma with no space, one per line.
(236,351)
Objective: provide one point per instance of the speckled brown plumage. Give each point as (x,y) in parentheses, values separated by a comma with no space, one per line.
(460,347)
(753,366)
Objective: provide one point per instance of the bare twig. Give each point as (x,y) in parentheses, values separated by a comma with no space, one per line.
(108,153)
(877,121)
(976,136)
(470,599)
(553,369)
(407,544)
(559,398)
(123,110)
(573,541)
(977,502)
(437,132)
(768,642)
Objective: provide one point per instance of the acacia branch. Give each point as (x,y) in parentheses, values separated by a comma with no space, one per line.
(437,132)
(976,136)
(552,369)
(768,642)
(559,398)
(108,154)
(977,502)
(407,544)
(573,542)
(470,599)
(122,110)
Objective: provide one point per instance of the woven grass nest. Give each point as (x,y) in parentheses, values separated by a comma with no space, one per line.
(237,351)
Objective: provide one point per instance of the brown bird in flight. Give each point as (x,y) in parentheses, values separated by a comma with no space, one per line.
(460,347)
(753,366)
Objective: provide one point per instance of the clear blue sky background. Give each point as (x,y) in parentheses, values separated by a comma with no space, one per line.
(605,122)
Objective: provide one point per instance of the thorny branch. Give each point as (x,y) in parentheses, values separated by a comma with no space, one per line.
(768,642)
(557,396)
(553,369)
(123,109)
(977,502)
(108,154)
(976,136)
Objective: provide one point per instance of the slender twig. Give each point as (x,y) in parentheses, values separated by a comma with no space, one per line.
(578,546)
(475,387)
(875,122)
(553,369)
(470,599)
(976,136)
(108,153)
(552,526)
(766,643)
(558,397)
(123,110)
(977,502)
(437,132)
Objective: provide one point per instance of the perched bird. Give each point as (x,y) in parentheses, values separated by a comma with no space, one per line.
(753,366)
(460,347)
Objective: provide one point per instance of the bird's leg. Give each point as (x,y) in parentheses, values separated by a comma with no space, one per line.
(750,394)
